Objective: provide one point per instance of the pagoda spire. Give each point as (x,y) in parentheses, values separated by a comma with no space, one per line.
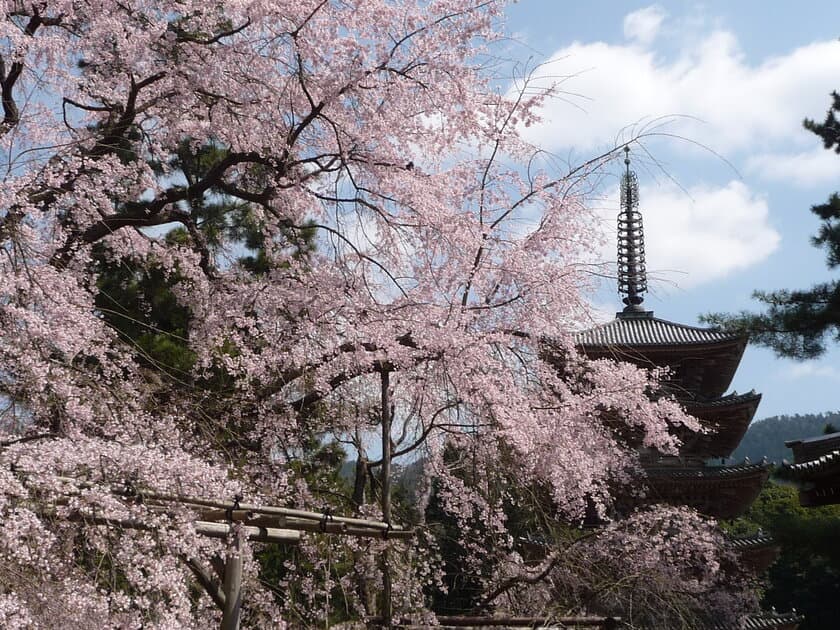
(632,277)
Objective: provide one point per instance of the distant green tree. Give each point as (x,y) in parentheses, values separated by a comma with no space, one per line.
(807,574)
(798,323)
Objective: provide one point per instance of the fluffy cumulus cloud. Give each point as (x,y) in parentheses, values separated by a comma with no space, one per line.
(681,77)
(717,98)
(700,234)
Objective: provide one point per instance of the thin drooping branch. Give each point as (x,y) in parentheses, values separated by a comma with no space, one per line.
(421,439)
(533,578)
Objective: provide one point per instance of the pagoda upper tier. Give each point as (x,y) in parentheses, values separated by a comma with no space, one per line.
(702,361)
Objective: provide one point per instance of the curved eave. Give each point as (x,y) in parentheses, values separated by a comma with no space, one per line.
(740,543)
(726,420)
(757,552)
(709,473)
(823,467)
(722,406)
(721,492)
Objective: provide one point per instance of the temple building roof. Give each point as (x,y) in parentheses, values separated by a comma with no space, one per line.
(824,465)
(810,448)
(816,469)
(818,479)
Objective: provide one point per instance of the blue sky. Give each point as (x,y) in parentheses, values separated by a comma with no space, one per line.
(726,202)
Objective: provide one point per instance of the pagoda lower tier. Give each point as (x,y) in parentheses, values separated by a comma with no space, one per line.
(816,469)
(723,492)
(757,552)
(765,621)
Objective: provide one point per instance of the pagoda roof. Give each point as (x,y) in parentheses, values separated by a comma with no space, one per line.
(718,491)
(643,329)
(701,361)
(755,541)
(765,621)
(707,472)
(757,552)
(725,419)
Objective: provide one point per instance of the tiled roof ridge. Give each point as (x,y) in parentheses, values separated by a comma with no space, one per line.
(649,330)
(812,465)
(815,439)
(728,399)
(707,471)
(750,541)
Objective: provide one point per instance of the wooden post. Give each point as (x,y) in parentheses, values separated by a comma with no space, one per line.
(386,494)
(233,586)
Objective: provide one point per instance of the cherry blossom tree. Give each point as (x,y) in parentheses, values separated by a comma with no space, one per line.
(228,229)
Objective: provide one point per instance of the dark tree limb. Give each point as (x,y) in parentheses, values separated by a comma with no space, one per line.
(206,580)
(11,112)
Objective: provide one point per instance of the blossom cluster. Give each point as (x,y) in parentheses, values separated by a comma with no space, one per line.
(358,155)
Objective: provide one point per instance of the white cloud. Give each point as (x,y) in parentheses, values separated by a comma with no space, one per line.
(643,25)
(735,105)
(804,169)
(699,235)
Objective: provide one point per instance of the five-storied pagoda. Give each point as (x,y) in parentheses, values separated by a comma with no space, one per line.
(701,363)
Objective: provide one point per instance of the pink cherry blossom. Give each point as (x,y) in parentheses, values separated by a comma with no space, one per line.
(442,253)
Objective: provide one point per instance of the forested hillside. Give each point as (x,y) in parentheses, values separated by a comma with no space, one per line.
(767,437)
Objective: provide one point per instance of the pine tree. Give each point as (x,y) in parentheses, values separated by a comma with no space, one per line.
(799,323)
